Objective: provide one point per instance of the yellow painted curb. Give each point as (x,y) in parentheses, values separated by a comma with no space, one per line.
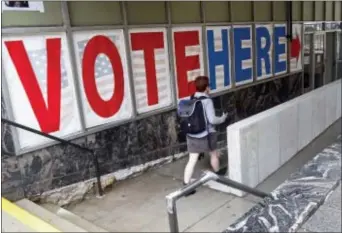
(26,218)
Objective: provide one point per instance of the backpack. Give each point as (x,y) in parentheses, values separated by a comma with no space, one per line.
(192,116)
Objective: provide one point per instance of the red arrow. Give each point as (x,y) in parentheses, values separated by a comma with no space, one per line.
(295,47)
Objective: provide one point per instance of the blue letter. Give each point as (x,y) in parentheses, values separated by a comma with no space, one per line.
(216,58)
(262,52)
(279,49)
(241,54)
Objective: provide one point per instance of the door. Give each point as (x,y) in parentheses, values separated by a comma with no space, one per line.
(330,62)
(339,55)
(308,62)
(319,59)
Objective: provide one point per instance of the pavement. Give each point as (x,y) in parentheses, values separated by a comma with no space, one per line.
(328,216)
(138,204)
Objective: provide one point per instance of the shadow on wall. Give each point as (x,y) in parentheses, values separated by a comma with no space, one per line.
(133,143)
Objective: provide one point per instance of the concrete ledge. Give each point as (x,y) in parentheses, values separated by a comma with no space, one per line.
(296,199)
(26,218)
(261,144)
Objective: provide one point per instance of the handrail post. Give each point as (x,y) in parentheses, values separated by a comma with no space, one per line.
(173,197)
(98,174)
(208,176)
(172,214)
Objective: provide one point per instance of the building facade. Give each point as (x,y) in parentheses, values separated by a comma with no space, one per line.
(108,76)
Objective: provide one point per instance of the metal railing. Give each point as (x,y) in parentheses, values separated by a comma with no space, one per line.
(208,176)
(92,152)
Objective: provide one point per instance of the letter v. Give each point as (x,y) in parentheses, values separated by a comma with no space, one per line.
(48,115)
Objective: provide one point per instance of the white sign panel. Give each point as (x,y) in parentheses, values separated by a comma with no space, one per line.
(219,58)
(296,47)
(280,49)
(40,82)
(264,50)
(243,54)
(103,77)
(151,70)
(188,58)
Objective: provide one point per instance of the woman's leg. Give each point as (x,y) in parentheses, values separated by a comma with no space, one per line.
(215,160)
(189,168)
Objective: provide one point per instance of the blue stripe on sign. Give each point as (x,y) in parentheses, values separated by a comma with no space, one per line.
(241,54)
(216,58)
(263,52)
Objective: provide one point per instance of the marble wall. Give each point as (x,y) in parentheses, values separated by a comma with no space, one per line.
(7,146)
(133,143)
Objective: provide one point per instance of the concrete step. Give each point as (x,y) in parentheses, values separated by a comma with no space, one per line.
(49,217)
(71,217)
(11,224)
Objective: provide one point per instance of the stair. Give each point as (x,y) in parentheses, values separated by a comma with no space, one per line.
(11,224)
(63,220)
(71,217)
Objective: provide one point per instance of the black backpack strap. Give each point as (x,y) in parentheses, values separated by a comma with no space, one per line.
(198,98)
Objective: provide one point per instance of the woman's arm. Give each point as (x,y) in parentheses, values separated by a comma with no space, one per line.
(210,113)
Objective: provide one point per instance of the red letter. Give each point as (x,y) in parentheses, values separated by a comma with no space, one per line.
(148,42)
(48,116)
(184,63)
(95,46)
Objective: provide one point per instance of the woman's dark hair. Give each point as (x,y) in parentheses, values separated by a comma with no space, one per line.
(201,83)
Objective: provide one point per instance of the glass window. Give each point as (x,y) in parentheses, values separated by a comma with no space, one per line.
(329,11)
(338,9)
(262,11)
(296,10)
(319,11)
(91,13)
(279,12)
(308,10)
(185,12)
(216,11)
(146,12)
(241,11)
(52,16)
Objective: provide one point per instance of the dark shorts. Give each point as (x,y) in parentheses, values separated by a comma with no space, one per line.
(201,145)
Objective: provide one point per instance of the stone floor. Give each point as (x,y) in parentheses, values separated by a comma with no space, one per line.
(328,217)
(138,204)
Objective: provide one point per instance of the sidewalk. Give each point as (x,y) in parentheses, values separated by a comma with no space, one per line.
(328,216)
(138,204)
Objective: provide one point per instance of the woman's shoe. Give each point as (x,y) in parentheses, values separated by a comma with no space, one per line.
(190,193)
(222,171)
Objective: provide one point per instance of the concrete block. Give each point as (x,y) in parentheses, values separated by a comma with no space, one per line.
(330,105)
(288,119)
(338,97)
(234,156)
(243,157)
(249,154)
(305,121)
(318,111)
(269,145)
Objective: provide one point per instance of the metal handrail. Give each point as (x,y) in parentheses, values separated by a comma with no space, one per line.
(208,176)
(92,152)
